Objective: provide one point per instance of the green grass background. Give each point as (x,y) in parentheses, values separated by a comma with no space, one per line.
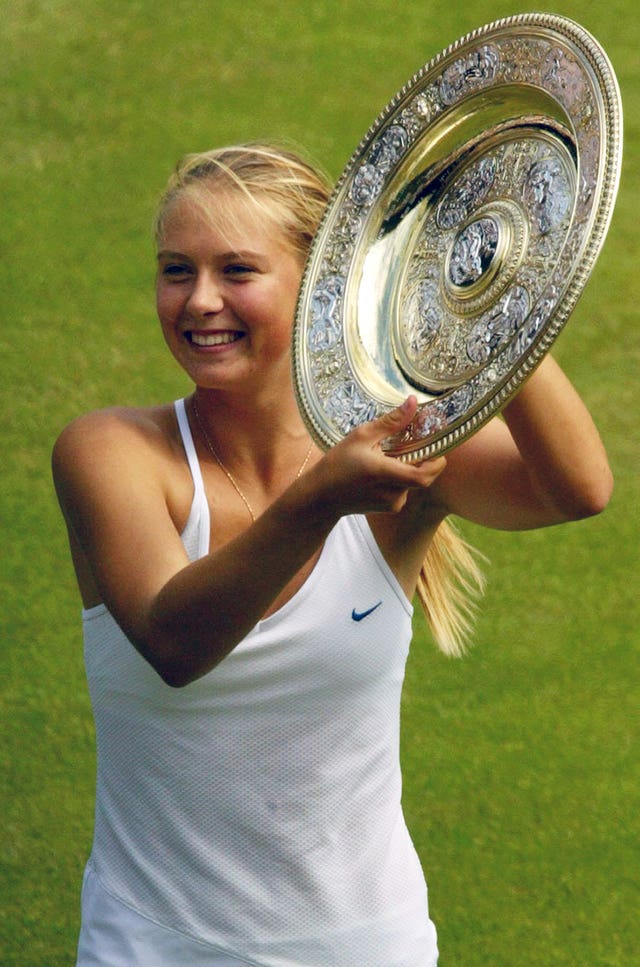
(521,761)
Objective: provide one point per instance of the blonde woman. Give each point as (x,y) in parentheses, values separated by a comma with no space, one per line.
(247,607)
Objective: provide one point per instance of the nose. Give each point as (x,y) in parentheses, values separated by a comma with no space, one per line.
(205,297)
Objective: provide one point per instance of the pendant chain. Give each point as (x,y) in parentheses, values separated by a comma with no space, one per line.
(228,474)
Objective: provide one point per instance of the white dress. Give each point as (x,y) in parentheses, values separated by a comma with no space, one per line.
(254,816)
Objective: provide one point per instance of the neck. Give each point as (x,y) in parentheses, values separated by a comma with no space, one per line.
(268,434)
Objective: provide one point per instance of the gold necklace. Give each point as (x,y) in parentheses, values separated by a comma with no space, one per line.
(229,475)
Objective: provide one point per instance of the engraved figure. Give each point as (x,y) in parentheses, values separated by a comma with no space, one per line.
(474,70)
(563,74)
(430,420)
(423,319)
(466,193)
(389,148)
(366,184)
(326,328)
(458,402)
(548,193)
(348,409)
(473,251)
(497,327)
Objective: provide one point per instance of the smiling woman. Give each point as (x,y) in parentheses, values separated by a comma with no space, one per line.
(247,607)
(226,293)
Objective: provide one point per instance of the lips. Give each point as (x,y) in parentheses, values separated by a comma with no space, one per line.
(206,339)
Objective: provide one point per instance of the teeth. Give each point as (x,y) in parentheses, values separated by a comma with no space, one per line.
(214,338)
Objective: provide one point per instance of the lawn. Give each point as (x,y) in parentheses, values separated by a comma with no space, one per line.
(521,760)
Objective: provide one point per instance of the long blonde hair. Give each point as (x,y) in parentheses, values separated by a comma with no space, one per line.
(281,185)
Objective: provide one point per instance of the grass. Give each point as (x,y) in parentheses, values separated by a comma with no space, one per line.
(521,770)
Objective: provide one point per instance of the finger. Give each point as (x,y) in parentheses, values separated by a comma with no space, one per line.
(394,421)
(434,464)
(432,468)
(422,474)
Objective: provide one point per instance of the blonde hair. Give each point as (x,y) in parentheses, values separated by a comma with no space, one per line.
(449,585)
(273,182)
(281,185)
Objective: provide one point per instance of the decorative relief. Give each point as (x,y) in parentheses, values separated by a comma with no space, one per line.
(483,250)
(348,406)
(367,184)
(421,319)
(466,193)
(564,77)
(473,251)
(548,194)
(475,70)
(326,324)
(493,247)
(521,59)
(495,328)
(389,148)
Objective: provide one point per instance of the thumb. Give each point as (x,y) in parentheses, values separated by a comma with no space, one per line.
(395,420)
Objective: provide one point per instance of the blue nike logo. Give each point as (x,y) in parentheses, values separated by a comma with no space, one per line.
(359,615)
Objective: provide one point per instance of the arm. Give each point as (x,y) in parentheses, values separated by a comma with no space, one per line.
(544,464)
(112,481)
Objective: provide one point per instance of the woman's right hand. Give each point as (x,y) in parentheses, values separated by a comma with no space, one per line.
(358,476)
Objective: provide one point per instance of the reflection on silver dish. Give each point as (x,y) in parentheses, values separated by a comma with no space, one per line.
(460,235)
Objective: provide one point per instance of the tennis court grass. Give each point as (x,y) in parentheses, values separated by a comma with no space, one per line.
(521,766)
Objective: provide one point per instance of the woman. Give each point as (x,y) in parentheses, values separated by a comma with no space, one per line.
(247,607)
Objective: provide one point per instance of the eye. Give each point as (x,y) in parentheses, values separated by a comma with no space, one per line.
(176,271)
(239,270)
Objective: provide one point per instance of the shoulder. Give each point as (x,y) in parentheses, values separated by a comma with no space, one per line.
(116,427)
(124,439)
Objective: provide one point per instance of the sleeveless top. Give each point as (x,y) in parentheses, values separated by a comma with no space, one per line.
(256,811)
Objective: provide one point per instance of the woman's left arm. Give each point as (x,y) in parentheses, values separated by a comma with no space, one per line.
(543,464)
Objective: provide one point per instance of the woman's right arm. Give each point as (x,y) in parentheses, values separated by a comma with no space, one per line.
(184,617)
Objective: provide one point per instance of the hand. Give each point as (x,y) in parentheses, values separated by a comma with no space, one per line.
(357,476)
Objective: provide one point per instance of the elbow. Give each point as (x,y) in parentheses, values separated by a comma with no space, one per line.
(177,658)
(600,493)
(181,649)
(592,499)
(169,659)
(174,666)
(173,675)
(167,664)
(176,671)
(601,498)
(166,648)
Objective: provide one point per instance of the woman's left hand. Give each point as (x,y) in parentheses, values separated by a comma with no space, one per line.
(543,464)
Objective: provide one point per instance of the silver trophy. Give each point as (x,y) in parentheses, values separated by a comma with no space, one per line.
(460,234)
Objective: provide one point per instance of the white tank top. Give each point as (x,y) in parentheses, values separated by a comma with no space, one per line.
(257,810)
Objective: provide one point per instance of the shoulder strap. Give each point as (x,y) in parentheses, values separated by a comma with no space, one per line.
(189,445)
(199,516)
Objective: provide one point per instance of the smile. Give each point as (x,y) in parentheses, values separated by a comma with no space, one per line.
(213,338)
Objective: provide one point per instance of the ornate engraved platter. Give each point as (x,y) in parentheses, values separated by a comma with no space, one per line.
(460,234)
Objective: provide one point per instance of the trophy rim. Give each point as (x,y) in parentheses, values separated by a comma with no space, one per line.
(359,377)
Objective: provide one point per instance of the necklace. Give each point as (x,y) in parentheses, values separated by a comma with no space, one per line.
(232,480)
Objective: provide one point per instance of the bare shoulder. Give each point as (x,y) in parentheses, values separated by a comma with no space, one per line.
(109,434)
(115,426)
(120,448)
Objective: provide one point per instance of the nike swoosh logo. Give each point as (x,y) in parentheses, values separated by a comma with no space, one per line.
(359,615)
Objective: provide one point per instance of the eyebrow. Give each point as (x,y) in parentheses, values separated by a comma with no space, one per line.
(223,256)
(242,254)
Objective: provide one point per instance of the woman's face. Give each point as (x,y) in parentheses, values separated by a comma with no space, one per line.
(226,299)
